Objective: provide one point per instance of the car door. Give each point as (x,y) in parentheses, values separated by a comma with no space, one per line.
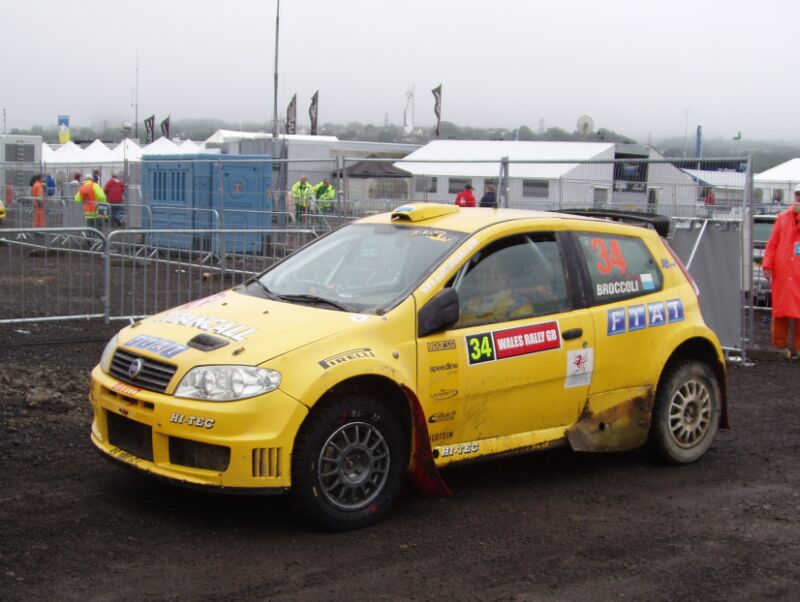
(520,358)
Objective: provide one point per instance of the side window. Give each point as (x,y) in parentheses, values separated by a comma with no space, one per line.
(620,267)
(517,277)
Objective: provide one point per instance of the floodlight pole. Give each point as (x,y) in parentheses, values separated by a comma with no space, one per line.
(275,90)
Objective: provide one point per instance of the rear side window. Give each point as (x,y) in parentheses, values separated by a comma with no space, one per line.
(619,267)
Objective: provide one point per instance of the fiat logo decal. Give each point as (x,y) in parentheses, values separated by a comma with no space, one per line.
(135,368)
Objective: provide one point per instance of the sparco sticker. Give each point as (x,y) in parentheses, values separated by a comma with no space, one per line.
(346,356)
(502,344)
(441,345)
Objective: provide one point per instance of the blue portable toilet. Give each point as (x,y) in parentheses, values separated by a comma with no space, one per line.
(204,191)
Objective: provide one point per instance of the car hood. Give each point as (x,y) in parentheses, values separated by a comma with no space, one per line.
(233,328)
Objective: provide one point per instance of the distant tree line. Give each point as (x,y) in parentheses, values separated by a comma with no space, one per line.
(765,154)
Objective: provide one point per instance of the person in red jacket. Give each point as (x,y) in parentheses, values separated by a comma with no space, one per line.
(782,268)
(465,198)
(115,193)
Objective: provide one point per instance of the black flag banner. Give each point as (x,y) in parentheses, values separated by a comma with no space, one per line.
(291,116)
(165,127)
(312,112)
(437,107)
(149,129)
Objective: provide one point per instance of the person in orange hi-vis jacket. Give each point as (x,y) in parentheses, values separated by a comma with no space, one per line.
(37,192)
(782,267)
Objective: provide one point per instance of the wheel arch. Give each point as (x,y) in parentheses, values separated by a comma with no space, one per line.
(702,350)
(403,403)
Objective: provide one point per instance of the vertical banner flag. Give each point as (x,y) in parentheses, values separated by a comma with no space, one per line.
(312,112)
(149,129)
(437,107)
(408,116)
(63,129)
(165,127)
(291,116)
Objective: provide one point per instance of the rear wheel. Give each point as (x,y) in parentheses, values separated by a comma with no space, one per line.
(349,463)
(686,415)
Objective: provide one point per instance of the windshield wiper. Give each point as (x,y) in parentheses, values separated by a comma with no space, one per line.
(315,299)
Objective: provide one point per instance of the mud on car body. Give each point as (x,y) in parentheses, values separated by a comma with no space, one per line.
(409,341)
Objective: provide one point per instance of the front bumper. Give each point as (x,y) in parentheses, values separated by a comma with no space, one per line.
(243,445)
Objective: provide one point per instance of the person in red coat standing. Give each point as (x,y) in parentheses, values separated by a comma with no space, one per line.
(465,198)
(115,193)
(782,268)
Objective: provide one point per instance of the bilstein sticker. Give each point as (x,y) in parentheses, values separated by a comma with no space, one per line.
(346,356)
(442,436)
(502,344)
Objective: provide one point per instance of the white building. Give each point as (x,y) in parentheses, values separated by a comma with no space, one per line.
(776,186)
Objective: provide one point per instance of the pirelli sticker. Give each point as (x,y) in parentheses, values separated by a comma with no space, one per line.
(511,342)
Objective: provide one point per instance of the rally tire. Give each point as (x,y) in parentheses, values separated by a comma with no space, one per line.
(349,463)
(686,414)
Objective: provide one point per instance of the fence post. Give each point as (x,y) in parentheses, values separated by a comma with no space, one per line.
(342,182)
(107,279)
(747,317)
(504,183)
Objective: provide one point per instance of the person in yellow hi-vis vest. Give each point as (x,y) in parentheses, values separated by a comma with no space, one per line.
(91,195)
(301,193)
(324,194)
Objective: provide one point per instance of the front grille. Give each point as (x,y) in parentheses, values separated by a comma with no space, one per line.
(267,462)
(199,455)
(130,436)
(154,375)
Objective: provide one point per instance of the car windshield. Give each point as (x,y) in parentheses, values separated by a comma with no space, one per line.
(762,231)
(365,268)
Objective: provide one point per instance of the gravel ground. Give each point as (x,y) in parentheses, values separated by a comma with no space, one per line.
(550,526)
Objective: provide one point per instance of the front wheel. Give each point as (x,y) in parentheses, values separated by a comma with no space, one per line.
(686,414)
(349,463)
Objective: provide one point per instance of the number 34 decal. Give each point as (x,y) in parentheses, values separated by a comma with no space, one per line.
(609,258)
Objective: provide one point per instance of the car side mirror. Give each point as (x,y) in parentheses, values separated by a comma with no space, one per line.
(438,314)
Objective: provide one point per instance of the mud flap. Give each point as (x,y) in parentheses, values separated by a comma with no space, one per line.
(621,427)
(424,471)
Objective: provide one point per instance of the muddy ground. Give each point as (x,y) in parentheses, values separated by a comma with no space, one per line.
(550,526)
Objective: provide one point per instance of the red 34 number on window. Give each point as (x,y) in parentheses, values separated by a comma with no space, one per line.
(610,256)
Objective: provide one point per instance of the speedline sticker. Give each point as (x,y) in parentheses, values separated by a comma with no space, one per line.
(511,342)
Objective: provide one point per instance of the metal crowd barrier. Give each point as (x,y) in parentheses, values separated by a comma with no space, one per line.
(53,274)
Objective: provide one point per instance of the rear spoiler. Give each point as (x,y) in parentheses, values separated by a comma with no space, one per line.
(659,223)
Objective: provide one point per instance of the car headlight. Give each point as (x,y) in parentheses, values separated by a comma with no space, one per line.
(226,383)
(108,353)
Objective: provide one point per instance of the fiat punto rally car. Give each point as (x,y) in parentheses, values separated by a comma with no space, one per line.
(410,341)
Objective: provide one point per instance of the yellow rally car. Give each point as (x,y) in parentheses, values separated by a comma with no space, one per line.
(405,342)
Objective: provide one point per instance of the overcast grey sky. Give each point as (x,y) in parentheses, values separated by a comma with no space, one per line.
(634,66)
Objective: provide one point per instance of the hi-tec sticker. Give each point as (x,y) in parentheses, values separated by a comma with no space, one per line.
(644,316)
(502,344)
(441,345)
(155,345)
(346,356)
(459,450)
(230,330)
(580,365)
(198,421)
